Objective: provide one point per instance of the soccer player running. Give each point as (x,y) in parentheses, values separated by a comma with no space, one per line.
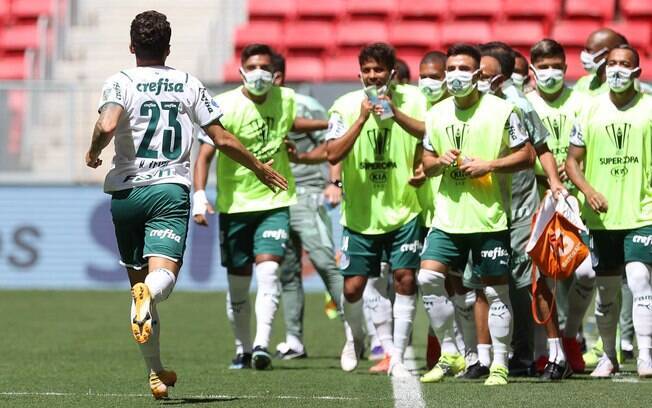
(472,140)
(310,225)
(612,138)
(151,110)
(253,221)
(558,106)
(594,57)
(380,209)
(432,82)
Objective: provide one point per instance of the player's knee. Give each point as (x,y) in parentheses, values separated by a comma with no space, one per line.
(638,277)
(353,289)
(432,283)
(405,282)
(585,271)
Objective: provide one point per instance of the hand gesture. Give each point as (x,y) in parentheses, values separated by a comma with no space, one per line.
(418,178)
(597,201)
(561,169)
(270,177)
(333,194)
(293,155)
(475,167)
(449,157)
(93,160)
(365,109)
(201,218)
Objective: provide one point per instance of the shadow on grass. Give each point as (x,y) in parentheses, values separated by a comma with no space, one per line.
(197,400)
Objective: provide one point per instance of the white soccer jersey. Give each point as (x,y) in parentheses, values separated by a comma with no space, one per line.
(155,132)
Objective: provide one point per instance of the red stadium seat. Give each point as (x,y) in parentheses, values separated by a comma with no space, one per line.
(231,70)
(341,69)
(31,8)
(474,32)
(547,9)
(646,69)
(369,8)
(19,37)
(355,34)
(518,33)
(636,8)
(304,69)
(309,35)
(414,34)
(13,67)
(423,9)
(600,9)
(259,32)
(637,32)
(5,11)
(476,8)
(573,33)
(272,9)
(575,69)
(331,9)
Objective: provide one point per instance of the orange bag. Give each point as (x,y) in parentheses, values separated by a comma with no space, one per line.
(555,243)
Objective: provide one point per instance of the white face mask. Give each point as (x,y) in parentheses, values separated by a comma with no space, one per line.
(549,80)
(620,78)
(460,83)
(518,80)
(588,60)
(433,89)
(258,82)
(485,85)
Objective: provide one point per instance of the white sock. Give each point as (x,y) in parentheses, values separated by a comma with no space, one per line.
(440,309)
(555,351)
(638,279)
(151,350)
(379,308)
(466,320)
(448,344)
(371,329)
(160,283)
(354,317)
(607,311)
(238,311)
(580,295)
(267,298)
(484,354)
(500,321)
(405,307)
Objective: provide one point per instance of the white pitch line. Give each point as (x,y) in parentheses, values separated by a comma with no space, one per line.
(407,391)
(115,395)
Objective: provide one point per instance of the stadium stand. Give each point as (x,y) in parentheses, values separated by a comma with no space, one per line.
(602,10)
(321,10)
(636,8)
(428,10)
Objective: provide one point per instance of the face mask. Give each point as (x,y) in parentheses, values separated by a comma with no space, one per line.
(433,89)
(484,85)
(588,60)
(549,80)
(258,81)
(620,78)
(518,80)
(460,83)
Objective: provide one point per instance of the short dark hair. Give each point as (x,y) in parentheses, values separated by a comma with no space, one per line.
(278,63)
(255,49)
(150,35)
(503,53)
(402,70)
(465,49)
(546,48)
(637,58)
(382,53)
(436,57)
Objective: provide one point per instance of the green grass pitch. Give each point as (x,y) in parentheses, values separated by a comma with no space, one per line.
(74,349)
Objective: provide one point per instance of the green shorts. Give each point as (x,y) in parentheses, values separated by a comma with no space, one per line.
(490,251)
(151,221)
(362,253)
(614,248)
(245,235)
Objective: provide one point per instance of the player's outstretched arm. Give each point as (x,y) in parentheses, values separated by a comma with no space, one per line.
(103,132)
(575,157)
(302,125)
(231,146)
(315,156)
(200,204)
(338,148)
(549,165)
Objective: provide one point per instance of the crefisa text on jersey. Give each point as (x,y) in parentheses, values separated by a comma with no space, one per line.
(163,84)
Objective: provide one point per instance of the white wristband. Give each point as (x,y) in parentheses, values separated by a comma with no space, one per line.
(199,202)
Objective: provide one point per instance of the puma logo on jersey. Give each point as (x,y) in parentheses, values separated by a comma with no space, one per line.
(276,234)
(165,234)
(642,239)
(494,253)
(163,84)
